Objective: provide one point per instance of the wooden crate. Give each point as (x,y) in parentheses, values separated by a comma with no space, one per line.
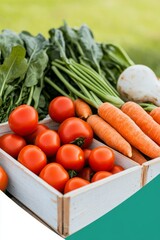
(68,213)
(150,170)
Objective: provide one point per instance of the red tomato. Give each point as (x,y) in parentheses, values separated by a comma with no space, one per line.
(87,153)
(101,159)
(100,175)
(31,137)
(33,158)
(3,179)
(77,131)
(116,169)
(12,144)
(61,108)
(55,175)
(86,173)
(23,120)
(71,157)
(48,141)
(74,183)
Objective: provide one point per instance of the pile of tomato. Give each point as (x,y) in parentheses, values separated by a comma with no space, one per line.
(61,157)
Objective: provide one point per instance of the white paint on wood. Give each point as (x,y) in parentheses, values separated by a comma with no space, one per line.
(87,204)
(150,170)
(33,192)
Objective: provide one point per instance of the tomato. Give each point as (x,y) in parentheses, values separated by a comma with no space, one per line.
(3,179)
(101,159)
(55,175)
(33,158)
(48,141)
(86,173)
(116,169)
(87,153)
(77,131)
(74,183)
(23,120)
(61,108)
(12,144)
(31,137)
(100,175)
(71,157)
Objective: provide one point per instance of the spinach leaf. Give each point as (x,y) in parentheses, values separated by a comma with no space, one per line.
(14,66)
(92,50)
(8,39)
(57,48)
(37,57)
(71,37)
(37,63)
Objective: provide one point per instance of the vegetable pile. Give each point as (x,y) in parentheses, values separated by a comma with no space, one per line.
(30,65)
(91,89)
(61,157)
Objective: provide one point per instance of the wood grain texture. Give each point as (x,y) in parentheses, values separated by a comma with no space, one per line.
(33,192)
(150,170)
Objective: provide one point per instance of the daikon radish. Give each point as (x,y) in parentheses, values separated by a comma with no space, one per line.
(139,83)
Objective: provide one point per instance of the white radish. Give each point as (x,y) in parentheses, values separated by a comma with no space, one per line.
(139,83)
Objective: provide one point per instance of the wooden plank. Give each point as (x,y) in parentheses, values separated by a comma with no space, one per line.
(150,170)
(33,192)
(84,206)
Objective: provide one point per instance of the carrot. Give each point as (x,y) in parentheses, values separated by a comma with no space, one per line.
(143,120)
(109,135)
(128,129)
(137,156)
(155,114)
(82,109)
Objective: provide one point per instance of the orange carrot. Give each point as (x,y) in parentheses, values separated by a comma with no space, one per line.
(82,109)
(109,135)
(155,114)
(137,156)
(128,129)
(143,120)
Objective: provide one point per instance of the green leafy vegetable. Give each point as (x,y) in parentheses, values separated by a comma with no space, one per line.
(14,66)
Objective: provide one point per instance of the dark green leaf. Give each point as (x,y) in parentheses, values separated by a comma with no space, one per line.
(8,39)
(14,66)
(92,50)
(57,49)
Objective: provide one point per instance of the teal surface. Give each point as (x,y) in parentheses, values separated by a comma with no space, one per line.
(136,218)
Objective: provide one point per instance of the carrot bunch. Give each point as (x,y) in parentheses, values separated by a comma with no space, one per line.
(129,129)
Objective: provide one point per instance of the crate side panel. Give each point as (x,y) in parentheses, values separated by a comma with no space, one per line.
(33,192)
(89,205)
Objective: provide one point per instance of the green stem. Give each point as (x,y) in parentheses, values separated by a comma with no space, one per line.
(71,88)
(30,96)
(95,76)
(147,106)
(105,97)
(86,78)
(55,86)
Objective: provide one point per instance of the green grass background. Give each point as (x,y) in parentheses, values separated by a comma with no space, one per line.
(132,24)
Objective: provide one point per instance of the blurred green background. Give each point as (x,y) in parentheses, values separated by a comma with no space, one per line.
(132,24)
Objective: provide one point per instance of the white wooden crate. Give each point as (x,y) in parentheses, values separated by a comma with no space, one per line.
(17,223)
(68,213)
(150,170)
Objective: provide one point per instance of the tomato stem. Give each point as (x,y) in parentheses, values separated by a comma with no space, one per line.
(72,173)
(78,141)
